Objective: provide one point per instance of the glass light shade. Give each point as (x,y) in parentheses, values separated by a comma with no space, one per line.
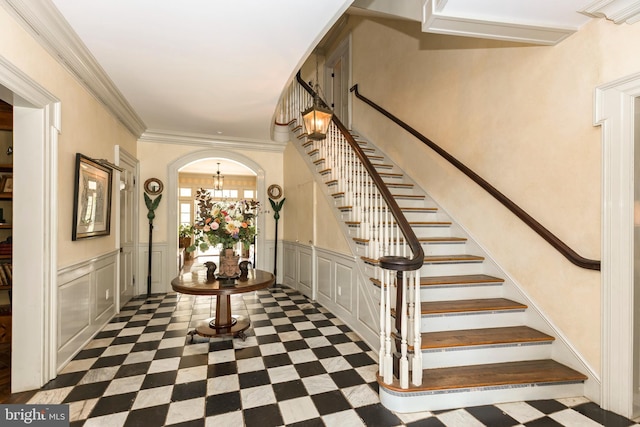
(218,182)
(316,120)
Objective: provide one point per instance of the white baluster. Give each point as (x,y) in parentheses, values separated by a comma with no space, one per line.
(383,324)
(388,361)
(417,337)
(404,362)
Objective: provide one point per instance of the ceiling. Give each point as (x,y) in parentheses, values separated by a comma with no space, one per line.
(213,70)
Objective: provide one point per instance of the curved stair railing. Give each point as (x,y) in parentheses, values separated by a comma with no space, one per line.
(552,239)
(392,243)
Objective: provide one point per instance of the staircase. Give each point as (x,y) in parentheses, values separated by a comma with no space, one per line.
(478,342)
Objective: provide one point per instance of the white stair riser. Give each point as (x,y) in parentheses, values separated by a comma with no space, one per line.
(485,355)
(460,399)
(444,248)
(429,249)
(410,203)
(471,320)
(419,215)
(450,269)
(449,293)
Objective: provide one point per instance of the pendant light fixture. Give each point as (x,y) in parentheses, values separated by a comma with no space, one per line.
(218,180)
(317,117)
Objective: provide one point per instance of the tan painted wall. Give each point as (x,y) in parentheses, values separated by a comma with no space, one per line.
(305,206)
(522,117)
(87,127)
(154,161)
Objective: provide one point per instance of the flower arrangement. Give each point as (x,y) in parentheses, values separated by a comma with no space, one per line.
(225,223)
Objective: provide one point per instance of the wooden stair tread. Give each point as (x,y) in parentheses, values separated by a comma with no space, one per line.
(459,280)
(470,305)
(420,239)
(452,258)
(465,279)
(406,210)
(436,259)
(491,375)
(411,223)
(485,336)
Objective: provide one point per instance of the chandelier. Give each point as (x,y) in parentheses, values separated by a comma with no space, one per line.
(218,180)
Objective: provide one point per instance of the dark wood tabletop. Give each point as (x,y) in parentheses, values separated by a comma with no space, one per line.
(196,283)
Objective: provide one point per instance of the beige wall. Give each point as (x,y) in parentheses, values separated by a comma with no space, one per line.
(87,128)
(154,161)
(522,117)
(307,207)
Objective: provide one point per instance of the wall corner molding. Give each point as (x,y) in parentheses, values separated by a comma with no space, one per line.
(436,20)
(618,11)
(45,23)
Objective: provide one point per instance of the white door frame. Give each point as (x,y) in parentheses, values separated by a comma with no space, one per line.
(121,155)
(342,52)
(614,111)
(36,127)
(172,200)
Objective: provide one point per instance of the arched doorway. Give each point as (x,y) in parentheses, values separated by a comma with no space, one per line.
(174,169)
(238,183)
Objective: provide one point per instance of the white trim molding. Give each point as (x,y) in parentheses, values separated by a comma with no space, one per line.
(436,20)
(166,137)
(45,23)
(618,11)
(614,111)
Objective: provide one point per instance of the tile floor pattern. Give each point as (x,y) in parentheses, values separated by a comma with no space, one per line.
(299,366)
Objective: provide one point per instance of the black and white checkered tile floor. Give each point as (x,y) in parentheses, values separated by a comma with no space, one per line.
(299,366)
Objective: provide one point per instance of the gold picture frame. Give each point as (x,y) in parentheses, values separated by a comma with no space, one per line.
(92,199)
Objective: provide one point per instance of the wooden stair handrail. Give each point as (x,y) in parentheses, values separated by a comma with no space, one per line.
(553,240)
(396,263)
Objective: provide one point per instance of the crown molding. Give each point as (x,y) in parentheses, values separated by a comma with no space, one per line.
(434,20)
(618,11)
(166,137)
(45,23)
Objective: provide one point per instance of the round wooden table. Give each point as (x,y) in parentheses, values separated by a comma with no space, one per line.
(224,324)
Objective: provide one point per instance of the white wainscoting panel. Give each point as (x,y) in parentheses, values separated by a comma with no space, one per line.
(337,286)
(74,314)
(325,283)
(160,261)
(86,293)
(345,284)
(305,271)
(290,265)
(104,290)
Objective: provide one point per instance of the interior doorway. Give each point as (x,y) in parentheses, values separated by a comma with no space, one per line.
(263,259)
(236,183)
(128,207)
(616,109)
(337,80)
(36,126)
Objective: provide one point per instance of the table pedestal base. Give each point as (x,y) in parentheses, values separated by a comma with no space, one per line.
(209,329)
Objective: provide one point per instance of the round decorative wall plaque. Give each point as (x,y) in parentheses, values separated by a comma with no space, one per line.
(153,186)
(274,191)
